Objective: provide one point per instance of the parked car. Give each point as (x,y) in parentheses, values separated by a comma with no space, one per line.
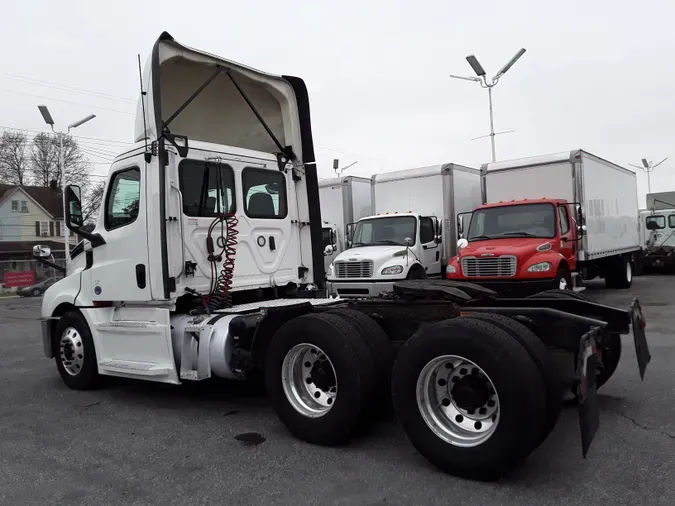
(37,289)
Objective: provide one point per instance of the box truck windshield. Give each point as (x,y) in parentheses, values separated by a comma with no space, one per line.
(385,231)
(522,220)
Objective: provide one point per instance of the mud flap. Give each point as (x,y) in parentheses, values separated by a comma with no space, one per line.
(638,323)
(589,413)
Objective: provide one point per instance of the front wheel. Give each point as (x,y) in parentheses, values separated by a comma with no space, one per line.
(74,352)
(35,293)
(563,279)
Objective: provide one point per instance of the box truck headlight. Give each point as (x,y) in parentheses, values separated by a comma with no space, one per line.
(451,269)
(540,267)
(392,269)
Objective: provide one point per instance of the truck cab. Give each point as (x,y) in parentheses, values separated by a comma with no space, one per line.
(508,245)
(386,248)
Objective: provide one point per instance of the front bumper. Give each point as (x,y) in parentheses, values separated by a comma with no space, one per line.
(351,289)
(512,287)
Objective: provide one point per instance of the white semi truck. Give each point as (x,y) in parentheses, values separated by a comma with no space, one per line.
(413,232)
(344,200)
(206,260)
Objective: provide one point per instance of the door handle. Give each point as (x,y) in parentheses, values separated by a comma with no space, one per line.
(273,244)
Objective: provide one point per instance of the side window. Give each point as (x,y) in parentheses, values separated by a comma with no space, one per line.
(123,199)
(326,237)
(564,220)
(671,221)
(264,193)
(426,230)
(207,188)
(659,219)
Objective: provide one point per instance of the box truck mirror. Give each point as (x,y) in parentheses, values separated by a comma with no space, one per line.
(408,241)
(328,250)
(462,243)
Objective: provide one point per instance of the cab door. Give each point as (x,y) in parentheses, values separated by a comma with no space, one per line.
(268,250)
(431,249)
(568,237)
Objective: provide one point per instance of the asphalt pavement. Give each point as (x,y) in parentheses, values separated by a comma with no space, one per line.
(220,443)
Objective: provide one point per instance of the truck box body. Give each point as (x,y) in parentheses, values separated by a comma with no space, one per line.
(345,200)
(442,191)
(606,192)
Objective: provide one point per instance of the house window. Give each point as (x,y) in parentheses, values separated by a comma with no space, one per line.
(44,228)
(15,206)
(24,206)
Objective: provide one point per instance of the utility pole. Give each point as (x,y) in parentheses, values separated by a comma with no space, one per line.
(482,79)
(62,162)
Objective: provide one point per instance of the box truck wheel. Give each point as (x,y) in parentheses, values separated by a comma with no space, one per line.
(541,358)
(74,352)
(469,397)
(620,273)
(379,344)
(416,272)
(563,278)
(319,376)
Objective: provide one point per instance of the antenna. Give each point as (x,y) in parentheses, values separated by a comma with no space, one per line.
(147,154)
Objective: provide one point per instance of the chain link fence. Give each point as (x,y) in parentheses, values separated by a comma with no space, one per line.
(26,272)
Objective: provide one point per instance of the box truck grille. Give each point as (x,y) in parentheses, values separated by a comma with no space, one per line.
(354,269)
(492,266)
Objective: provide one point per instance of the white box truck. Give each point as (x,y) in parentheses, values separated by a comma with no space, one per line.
(344,200)
(547,219)
(413,232)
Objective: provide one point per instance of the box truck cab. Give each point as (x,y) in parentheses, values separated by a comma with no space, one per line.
(531,241)
(385,249)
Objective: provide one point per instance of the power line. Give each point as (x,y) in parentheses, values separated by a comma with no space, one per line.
(73,136)
(65,87)
(67,101)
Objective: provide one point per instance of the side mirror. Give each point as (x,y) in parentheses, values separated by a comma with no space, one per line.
(581,230)
(462,243)
(73,207)
(438,239)
(408,241)
(328,250)
(40,251)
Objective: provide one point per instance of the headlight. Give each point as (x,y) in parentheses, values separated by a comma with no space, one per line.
(540,267)
(391,270)
(451,269)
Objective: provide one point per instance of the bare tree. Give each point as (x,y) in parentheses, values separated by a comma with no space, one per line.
(92,202)
(14,159)
(45,161)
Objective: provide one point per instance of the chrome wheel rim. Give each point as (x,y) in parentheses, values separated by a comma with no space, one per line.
(458,401)
(71,351)
(309,380)
(563,284)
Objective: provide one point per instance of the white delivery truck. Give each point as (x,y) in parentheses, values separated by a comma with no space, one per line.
(551,221)
(344,200)
(206,262)
(413,232)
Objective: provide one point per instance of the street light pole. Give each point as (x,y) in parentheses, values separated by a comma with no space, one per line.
(482,79)
(62,163)
(648,168)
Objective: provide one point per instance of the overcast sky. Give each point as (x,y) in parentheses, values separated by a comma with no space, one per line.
(597,75)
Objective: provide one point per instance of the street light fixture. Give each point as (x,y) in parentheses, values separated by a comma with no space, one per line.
(482,79)
(62,169)
(648,168)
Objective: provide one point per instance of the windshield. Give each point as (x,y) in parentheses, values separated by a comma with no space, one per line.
(382,231)
(522,220)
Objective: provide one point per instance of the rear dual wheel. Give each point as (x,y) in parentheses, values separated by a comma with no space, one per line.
(469,397)
(324,373)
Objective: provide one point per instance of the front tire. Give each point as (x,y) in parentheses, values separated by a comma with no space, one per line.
(74,352)
(469,398)
(320,378)
(563,279)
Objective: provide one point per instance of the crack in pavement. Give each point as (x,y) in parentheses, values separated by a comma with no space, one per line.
(641,426)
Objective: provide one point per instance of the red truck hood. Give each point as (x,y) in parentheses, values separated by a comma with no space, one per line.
(516,246)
